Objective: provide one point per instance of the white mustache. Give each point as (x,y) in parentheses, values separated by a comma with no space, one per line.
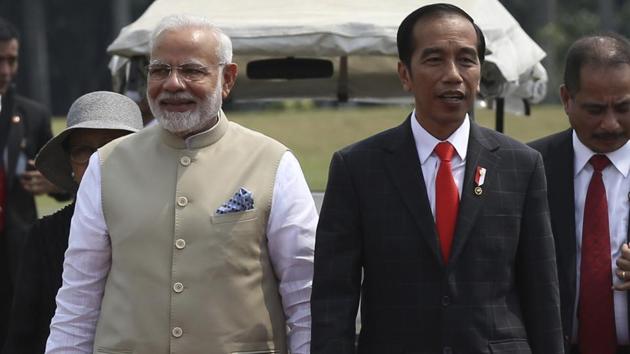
(176,96)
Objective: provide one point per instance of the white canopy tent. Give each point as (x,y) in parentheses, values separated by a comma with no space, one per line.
(358,36)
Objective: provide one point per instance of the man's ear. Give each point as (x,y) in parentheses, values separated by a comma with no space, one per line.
(230,72)
(565,96)
(405,76)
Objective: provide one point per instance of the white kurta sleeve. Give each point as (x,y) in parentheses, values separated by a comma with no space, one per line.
(291,242)
(86,265)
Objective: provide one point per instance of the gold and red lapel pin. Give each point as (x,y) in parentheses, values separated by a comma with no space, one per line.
(480,177)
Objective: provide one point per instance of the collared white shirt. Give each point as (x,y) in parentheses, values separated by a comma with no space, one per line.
(430,162)
(291,242)
(617,183)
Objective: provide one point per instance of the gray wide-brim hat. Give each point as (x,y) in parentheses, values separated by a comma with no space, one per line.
(95,110)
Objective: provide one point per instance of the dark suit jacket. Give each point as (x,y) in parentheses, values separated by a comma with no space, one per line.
(24,137)
(497,294)
(558,157)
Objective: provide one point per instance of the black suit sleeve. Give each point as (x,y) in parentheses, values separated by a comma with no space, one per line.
(536,269)
(38,124)
(28,328)
(44,133)
(337,277)
(41,133)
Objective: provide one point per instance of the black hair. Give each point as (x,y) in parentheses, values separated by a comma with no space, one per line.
(603,49)
(405,38)
(8,31)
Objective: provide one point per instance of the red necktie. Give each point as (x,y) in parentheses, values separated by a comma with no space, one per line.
(596,316)
(446,198)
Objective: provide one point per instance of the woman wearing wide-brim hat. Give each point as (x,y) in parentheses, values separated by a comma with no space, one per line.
(93,120)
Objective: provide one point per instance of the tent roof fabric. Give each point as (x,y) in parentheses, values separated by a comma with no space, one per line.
(331,28)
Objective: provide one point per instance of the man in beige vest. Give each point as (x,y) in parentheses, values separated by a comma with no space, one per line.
(193,236)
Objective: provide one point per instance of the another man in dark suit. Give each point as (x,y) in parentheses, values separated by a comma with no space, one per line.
(24,129)
(456,252)
(588,168)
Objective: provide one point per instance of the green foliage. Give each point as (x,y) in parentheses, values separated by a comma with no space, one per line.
(576,24)
(624,15)
(556,24)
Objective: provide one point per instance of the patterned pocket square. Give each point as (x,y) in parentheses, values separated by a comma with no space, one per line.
(241,201)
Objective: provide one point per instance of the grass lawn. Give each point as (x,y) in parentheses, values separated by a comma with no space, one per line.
(315,133)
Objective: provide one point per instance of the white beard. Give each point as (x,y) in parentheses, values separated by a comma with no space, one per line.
(184,123)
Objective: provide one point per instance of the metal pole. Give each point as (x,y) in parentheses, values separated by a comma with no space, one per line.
(34,51)
(500,114)
(342,84)
(121,14)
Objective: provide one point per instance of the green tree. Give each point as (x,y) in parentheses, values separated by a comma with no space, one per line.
(567,21)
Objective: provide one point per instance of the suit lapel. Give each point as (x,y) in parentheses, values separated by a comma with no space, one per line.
(15,140)
(403,167)
(560,176)
(15,143)
(480,154)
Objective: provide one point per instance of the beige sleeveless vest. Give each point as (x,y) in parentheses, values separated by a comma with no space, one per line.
(185,279)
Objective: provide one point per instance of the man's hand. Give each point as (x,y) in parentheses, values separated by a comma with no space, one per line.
(35,183)
(623,268)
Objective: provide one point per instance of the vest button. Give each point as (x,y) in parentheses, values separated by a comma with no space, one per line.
(185,160)
(180,243)
(178,287)
(182,201)
(177,332)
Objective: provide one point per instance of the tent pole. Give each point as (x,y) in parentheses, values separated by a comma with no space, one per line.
(500,114)
(342,84)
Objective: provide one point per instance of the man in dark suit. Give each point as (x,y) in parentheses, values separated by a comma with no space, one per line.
(449,254)
(24,129)
(587,170)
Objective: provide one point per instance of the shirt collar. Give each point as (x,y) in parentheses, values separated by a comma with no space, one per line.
(425,142)
(620,158)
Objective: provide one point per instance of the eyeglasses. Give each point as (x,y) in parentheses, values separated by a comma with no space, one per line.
(187,72)
(80,154)
(10,60)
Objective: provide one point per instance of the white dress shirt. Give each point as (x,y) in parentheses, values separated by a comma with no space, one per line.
(617,184)
(430,162)
(291,242)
